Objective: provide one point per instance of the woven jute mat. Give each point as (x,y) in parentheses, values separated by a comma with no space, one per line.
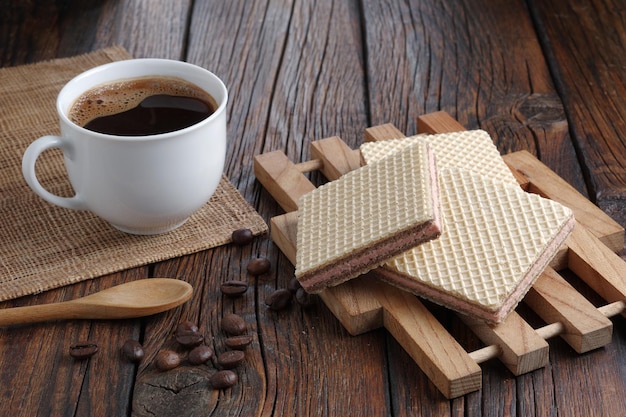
(43,246)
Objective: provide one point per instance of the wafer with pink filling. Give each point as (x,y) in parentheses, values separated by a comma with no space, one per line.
(496,240)
(352,225)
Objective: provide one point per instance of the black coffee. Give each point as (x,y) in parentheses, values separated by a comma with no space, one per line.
(142,107)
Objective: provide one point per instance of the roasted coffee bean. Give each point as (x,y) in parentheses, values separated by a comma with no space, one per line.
(132,350)
(233,324)
(293,285)
(223,379)
(200,354)
(189,339)
(304,298)
(279,299)
(167,359)
(231,359)
(187,326)
(238,342)
(234,288)
(83,350)
(242,237)
(258,266)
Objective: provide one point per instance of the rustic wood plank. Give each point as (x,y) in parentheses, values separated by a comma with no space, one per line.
(355,305)
(430,345)
(145,28)
(522,349)
(382,132)
(281,178)
(244,42)
(284,229)
(593,89)
(585,328)
(597,265)
(344,159)
(438,122)
(513,99)
(316,73)
(287,76)
(40,352)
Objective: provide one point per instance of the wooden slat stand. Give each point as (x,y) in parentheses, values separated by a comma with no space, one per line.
(366,303)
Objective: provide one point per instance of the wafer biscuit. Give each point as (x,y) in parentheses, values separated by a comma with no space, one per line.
(497,240)
(352,225)
(471,150)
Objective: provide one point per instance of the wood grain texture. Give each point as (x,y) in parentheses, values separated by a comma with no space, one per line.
(35,365)
(523,350)
(607,277)
(447,53)
(588,66)
(282,66)
(436,352)
(303,70)
(556,301)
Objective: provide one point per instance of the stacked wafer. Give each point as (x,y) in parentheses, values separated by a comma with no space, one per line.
(351,226)
(496,238)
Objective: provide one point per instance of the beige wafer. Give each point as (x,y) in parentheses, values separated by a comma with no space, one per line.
(352,225)
(472,150)
(496,241)
(488,256)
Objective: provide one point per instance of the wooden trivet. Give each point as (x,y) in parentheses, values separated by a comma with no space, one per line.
(365,304)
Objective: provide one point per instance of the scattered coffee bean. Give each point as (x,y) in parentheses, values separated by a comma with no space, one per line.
(223,379)
(83,350)
(233,324)
(279,299)
(238,342)
(258,266)
(199,355)
(293,285)
(234,288)
(132,350)
(167,359)
(187,326)
(231,359)
(304,298)
(242,237)
(189,339)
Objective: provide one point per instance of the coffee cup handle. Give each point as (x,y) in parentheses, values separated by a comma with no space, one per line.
(28,170)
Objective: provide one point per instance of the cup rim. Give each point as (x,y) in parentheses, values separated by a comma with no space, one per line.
(135,61)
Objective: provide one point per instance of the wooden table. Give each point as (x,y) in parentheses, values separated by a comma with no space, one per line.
(547,77)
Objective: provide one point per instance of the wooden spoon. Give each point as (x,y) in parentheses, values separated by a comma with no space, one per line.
(138,298)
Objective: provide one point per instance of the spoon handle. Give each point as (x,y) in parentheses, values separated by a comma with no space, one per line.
(39,313)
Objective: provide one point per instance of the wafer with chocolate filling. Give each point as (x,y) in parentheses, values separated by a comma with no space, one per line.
(496,239)
(352,225)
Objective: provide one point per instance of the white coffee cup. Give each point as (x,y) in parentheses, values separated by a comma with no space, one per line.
(139,184)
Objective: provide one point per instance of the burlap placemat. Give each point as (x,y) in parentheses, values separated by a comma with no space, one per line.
(43,246)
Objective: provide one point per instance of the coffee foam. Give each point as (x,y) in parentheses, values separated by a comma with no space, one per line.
(120,96)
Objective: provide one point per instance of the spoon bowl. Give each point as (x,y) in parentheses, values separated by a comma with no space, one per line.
(137,298)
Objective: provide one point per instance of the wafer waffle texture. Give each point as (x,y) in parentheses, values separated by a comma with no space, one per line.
(352,225)
(496,239)
(472,150)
